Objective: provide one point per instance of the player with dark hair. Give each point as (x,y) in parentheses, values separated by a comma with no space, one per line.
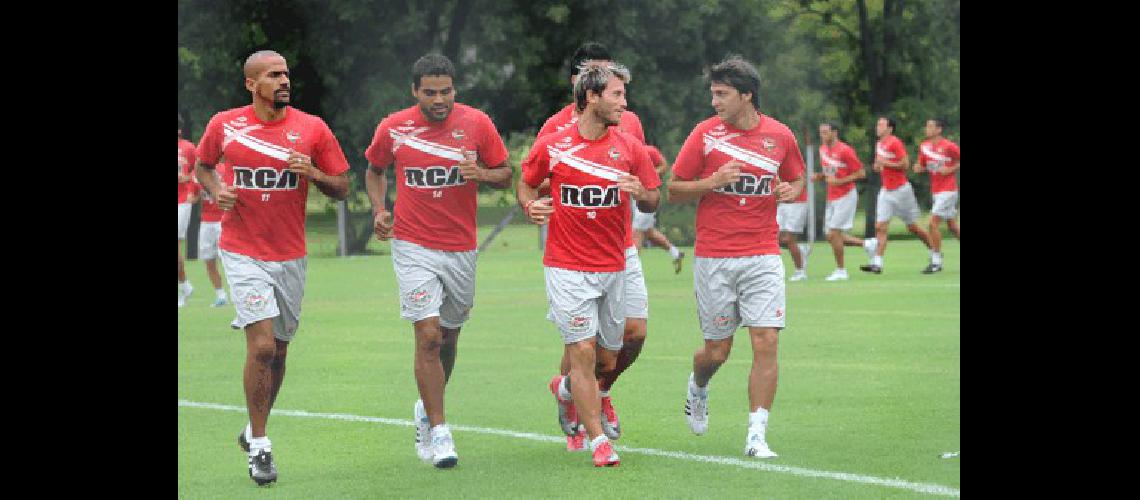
(896,196)
(185,204)
(841,168)
(939,156)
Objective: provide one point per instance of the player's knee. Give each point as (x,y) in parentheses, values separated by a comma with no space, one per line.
(765,341)
(263,352)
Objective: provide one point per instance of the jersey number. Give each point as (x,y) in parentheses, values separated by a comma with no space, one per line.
(437,193)
(591,215)
(264,196)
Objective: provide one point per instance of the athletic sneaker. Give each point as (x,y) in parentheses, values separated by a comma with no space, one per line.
(755,446)
(243,442)
(423,431)
(697,411)
(567,412)
(871,268)
(261,468)
(577,442)
(181,299)
(610,419)
(932,268)
(443,448)
(219,302)
(605,456)
(677,263)
(870,245)
(837,275)
(799,275)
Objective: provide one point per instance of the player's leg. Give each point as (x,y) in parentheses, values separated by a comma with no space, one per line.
(954,228)
(257,377)
(835,238)
(788,238)
(762,303)
(658,238)
(448,350)
(633,339)
(715,290)
(208,233)
(184,286)
(909,212)
(638,239)
(428,367)
(884,210)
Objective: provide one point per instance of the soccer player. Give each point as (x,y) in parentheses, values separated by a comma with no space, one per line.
(841,168)
(595,171)
(441,150)
(792,219)
(273,151)
(939,156)
(637,297)
(209,231)
(643,222)
(896,197)
(739,164)
(185,201)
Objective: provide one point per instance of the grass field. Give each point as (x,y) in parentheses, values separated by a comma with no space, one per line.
(869,393)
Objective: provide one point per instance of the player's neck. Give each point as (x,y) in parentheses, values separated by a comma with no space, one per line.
(590,127)
(747,119)
(935,140)
(267,113)
(831,143)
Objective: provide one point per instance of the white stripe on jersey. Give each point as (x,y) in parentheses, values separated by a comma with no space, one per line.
(265,148)
(710,141)
(879,150)
(230,131)
(445,152)
(583,165)
(755,159)
(831,162)
(928,151)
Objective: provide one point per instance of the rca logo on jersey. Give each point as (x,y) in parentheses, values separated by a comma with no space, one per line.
(433,177)
(590,196)
(265,178)
(748,185)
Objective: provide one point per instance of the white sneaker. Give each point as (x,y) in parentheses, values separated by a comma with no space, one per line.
(755,446)
(697,410)
(443,448)
(181,300)
(423,431)
(837,275)
(799,275)
(870,245)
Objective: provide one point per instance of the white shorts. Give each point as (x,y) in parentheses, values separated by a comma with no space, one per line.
(636,295)
(643,221)
(587,304)
(264,289)
(898,203)
(183,219)
(840,214)
(434,283)
(208,234)
(792,217)
(738,291)
(944,204)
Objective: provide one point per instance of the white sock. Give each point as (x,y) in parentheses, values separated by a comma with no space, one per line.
(594,443)
(695,389)
(220,292)
(877,260)
(563,392)
(258,444)
(186,287)
(936,258)
(841,270)
(248,431)
(758,418)
(604,394)
(673,252)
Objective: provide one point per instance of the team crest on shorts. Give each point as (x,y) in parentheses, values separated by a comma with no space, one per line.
(458,134)
(255,302)
(579,323)
(779,312)
(722,321)
(418,297)
(769,144)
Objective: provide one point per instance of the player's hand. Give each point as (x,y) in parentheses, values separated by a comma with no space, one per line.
(785,191)
(539,210)
(877,166)
(632,185)
(468,168)
(184,178)
(818,176)
(227,197)
(831,180)
(726,174)
(382,224)
(918,168)
(302,165)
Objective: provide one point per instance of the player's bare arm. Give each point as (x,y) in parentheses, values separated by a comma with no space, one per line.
(835,181)
(949,169)
(682,191)
(788,191)
(333,186)
(498,177)
(901,164)
(377,187)
(646,199)
(538,209)
(226,195)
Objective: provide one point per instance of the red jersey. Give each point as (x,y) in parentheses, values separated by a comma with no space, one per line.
(268,220)
(435,206)
(739,219)
(936,156)
(839,160)
(590,226)
(210,210)
(186,157)
(655,156)
(890,148)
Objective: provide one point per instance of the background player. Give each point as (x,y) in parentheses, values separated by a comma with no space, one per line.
(185,202)
(896,197)
(841,168)
(643,222)
(939,156)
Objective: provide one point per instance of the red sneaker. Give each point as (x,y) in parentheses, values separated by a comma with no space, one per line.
(605,456)
(567,413)
(609,419)
(577,442)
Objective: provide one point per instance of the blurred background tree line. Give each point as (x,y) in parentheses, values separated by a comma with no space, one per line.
(843,61)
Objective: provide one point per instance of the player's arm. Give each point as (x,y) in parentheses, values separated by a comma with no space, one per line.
(788,191)
(226,196)
(498,177)
(377,187)
(333,186)
(538,209)
(901,164)
(859,173)
(681,190)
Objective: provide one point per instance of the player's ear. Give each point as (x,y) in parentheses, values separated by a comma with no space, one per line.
(250,84)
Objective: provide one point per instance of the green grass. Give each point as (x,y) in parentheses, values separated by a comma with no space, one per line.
(869,385)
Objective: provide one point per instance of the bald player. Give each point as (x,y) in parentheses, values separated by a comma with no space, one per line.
(273,151)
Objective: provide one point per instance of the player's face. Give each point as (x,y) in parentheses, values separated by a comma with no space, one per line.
(272,82)
(825,134)
(436,97)
(882,128)
(728,102)
(932,129)
(611,104)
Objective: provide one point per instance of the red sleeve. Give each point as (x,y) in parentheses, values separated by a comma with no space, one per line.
(851,159)
(655,155)
(547,126)
(210,147)
(690,160)
(898,149)
(536,166)
(792,167)
(492,151)
(643,167)
(922,158)
(379,153)
(953,152)
(635,128)
(327,152)
(191,156)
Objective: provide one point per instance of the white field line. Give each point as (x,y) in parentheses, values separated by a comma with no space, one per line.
(933,489)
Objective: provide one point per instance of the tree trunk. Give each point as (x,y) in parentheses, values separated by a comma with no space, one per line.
(459,18)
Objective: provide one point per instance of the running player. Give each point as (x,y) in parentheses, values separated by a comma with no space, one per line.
(896,197)
(939,156)
(792,219)
(841,168)
(185,202)
(643,222)
(209,230)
